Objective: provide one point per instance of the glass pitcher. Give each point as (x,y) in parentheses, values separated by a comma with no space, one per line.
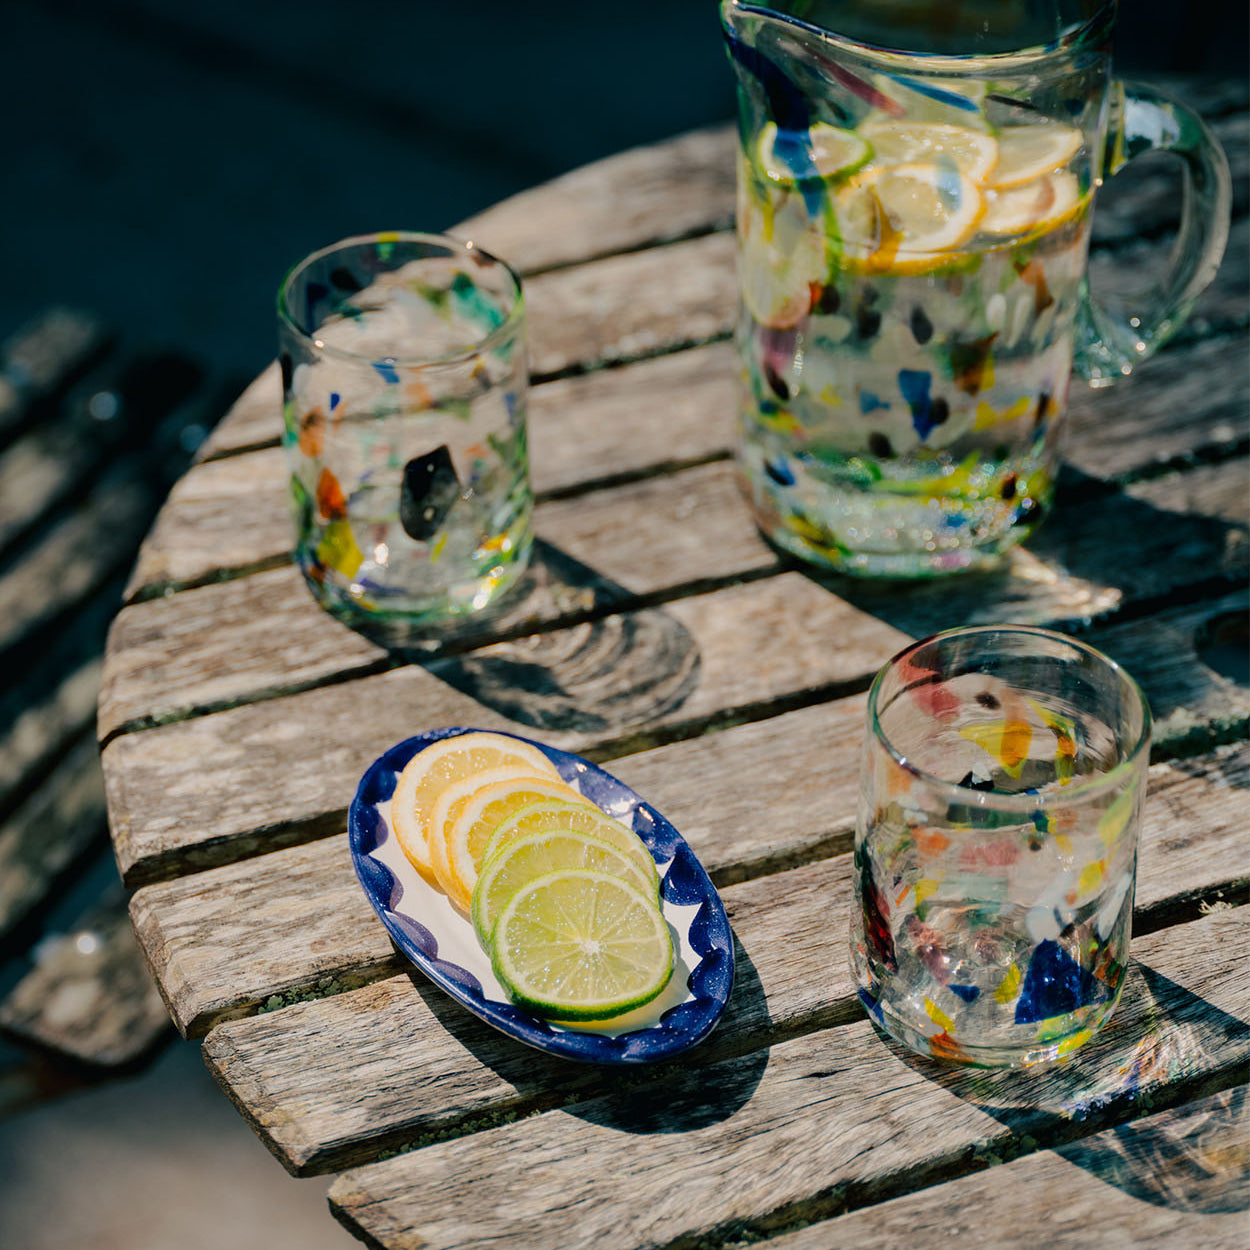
(913,229)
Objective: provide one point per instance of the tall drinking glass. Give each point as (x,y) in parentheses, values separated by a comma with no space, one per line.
(404,378)
(916,181)
(1003,777)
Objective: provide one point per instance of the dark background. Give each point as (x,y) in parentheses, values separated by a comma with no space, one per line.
(165,162)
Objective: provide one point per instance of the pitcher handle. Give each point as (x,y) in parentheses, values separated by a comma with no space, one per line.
(1111,343)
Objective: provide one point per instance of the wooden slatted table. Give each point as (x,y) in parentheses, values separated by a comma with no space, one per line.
(658,632)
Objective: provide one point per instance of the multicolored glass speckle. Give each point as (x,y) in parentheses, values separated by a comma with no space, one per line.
(996,848)
(912,241)
(404,378)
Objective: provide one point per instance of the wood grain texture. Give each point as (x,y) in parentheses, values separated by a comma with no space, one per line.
(649,195)
(260,773)
(230,515)
(672,671)
(827,1120)
(350,1095)
(1180,1176)
(252,636)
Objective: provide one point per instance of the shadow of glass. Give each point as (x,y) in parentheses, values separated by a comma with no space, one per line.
(1097,547)
(1195,1158)
(683,1093)
(1163,1045)
(601,675)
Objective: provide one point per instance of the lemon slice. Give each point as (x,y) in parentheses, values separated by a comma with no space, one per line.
(578,815)
(1028,152)
(901,217)
(525,859)
(468,825)
(834,153)
(452,801)
(900,143)
(1038,205)
(581,945)
(438,766)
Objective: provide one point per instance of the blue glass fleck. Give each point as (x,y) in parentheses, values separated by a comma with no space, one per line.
(1054,985)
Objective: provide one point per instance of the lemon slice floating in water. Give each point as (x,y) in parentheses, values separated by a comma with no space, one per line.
(581,945)
(1028,152)
(526,859)
(897,143)
(900,217)
(442,764)
(1038,205)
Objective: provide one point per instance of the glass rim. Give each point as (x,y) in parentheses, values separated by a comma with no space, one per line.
(1096,26)
(1075,791)
(465,247)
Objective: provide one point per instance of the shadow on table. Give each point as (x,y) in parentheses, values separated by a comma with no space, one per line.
(1097,545)
(631,1099)
(1163,1042)
(602,675)
(694,1096)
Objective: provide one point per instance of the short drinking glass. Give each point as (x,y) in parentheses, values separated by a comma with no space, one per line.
(404,378)
(1003,777)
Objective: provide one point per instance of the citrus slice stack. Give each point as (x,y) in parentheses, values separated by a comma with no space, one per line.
(903,217)
(972,152)
(580,817)
(445,763)
(468,814)
(525,859)
(579,945)
(1028,152)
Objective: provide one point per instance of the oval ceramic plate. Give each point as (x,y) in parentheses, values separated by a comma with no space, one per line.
(440,940)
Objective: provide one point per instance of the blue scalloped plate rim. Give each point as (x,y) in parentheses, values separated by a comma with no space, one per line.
(425,927)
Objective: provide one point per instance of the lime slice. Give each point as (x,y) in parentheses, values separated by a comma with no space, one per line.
(1038,205)
(525,859)
(900,143)
(834,153)
(1028,152)
(579,816)
(899,217)
(440,765)
(580,945)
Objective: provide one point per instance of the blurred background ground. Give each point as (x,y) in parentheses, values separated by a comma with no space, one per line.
(163,164)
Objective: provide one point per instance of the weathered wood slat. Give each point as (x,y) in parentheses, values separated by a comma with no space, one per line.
(677,530)
(1177,1177)
(615,423)
(41,731)
(649,538)
(70,801)
(696,661)
(43,357)
(828,1120)
(691,661)
(89,996)
(74,558)
(233,514)
(646,196)
(349,1096)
